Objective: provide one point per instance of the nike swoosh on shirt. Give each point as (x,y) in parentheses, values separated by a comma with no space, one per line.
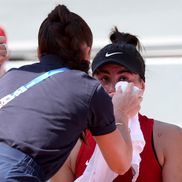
(113,53)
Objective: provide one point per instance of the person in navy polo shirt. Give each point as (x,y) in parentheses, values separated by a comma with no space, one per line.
(46,106)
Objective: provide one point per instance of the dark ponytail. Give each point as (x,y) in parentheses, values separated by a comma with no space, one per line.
(117,37)
(64,33)
(125,38)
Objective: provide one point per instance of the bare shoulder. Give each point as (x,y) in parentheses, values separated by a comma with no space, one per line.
(163,130)
(167,140)
(74,153)
(67,171)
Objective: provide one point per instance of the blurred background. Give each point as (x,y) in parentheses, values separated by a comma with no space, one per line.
(157,24)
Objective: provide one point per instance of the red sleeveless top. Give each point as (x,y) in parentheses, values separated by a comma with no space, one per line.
(150,170)
(85,153)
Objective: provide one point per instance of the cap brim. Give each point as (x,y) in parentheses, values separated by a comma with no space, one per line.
(115,61)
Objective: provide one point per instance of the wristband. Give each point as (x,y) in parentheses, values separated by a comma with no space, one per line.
(122,124)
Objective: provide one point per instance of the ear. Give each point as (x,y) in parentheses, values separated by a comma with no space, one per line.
(142,85)
(38,53)
(87,53)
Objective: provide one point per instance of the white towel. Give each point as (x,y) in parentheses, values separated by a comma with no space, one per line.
(97,169)
(137,138)
(138,144)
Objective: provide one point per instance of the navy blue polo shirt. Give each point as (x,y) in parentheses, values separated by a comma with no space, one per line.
(46,121)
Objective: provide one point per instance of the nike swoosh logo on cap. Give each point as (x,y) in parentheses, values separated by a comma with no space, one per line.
(113,53)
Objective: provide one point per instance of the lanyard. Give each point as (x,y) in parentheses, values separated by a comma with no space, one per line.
(20,90)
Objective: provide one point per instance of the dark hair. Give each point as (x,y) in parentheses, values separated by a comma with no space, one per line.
(127,38)
(64,33)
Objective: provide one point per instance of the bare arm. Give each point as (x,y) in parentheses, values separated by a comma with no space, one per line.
(168,144)
(3,51)
(64,174)
(67,171)
(3,55)
(116,151)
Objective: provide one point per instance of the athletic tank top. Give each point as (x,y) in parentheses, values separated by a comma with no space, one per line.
(150,169)
(85,153)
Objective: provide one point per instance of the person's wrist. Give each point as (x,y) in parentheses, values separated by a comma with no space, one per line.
(121,117)
(123,126)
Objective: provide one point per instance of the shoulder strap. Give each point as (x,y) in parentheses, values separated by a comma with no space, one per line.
(20,90)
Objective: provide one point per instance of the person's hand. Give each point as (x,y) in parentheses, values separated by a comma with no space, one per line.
(126,103)
(3,51)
